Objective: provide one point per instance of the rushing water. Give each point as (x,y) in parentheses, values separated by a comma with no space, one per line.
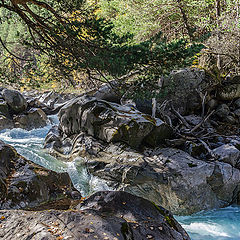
(221,224)
(30,145)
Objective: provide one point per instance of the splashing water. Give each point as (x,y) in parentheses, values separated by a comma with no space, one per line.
(30,145)
(219,224)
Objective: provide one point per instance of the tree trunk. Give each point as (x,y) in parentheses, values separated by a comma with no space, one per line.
(218,14)
(185,20)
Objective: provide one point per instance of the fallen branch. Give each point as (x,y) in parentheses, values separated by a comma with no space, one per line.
(203,121)
(207,148)
(180,117)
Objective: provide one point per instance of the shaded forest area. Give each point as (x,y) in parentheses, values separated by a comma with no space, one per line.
(79,44)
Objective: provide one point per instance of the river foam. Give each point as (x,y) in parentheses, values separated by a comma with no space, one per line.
(218,224)
(30,145)
(221,224)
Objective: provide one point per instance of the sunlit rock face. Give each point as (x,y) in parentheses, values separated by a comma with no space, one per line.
(111,122)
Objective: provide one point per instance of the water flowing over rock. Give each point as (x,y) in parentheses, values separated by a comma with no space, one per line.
(26,185)
(111,122)
(169,177)
(105,215)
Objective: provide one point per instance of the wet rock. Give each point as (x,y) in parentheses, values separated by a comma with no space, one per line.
(228,154)
(237,103)
(169,177)
(6,123)
(26,185)
(111,122)
(15,100)
(4,109)
(223,111)
(53,140)
(105,215)
(34,118)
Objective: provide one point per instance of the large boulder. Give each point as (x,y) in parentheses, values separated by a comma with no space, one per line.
(183,87)
(169,177)
(26,185)
(111,122)
(105,215)
(15,100)
(34,118)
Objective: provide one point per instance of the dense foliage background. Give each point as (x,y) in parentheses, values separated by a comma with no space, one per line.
(81,43)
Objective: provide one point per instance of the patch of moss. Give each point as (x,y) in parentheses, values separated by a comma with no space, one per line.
(126,231)
(168,218)
(192,165)
(149,118)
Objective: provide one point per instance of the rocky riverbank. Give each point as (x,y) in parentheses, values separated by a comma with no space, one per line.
(33,198)
(104,215)
(183,161)
(186,159)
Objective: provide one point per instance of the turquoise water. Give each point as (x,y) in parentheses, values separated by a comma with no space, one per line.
(30,145)
(221,224)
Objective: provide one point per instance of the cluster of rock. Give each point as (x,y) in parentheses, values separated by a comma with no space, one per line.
(28,110)
(186,160)
(139,154)
(44,194)
(17,112)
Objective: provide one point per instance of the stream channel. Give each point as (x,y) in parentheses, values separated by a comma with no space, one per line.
(219,224)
